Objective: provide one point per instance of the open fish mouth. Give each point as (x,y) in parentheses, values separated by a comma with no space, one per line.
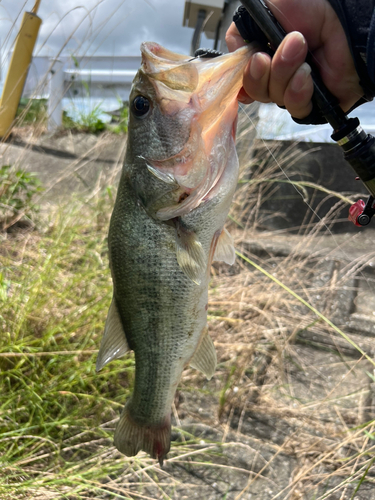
(204,93)
(204,84)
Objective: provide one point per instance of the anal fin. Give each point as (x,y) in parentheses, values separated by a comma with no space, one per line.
(224,250)
(113,344)
(204,358)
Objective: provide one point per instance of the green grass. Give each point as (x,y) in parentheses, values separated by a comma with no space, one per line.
(18,191)
(32,111)
(86,121)
(35,112)
(52,313)
(57,415)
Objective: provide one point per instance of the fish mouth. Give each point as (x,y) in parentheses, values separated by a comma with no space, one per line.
(200,83)
(167,67)
(204,93)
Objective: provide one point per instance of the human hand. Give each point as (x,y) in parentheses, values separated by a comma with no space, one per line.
(285,79)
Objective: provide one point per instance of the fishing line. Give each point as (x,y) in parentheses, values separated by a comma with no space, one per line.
(338,246)
(283,171)
(243,108)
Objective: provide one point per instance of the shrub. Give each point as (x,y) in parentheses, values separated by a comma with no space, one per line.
(18,189)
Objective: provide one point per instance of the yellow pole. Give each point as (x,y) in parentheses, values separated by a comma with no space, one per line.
(34,10)
(18,68)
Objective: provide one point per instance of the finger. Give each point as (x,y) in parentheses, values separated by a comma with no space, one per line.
(233,39)
(243,97)
(256,77)
(289,56)
(297,97)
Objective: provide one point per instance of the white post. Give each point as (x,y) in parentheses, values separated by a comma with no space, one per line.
(56,94)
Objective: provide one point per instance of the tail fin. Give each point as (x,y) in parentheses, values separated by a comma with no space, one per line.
(132,437)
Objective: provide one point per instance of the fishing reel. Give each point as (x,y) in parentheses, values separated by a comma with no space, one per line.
(360,213)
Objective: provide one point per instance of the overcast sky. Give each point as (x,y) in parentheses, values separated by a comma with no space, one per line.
(103,27)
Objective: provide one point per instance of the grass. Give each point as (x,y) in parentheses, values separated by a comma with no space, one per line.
(289,412)
(17,193)
(34,112)
(49,399)
(86,121)
(289,395)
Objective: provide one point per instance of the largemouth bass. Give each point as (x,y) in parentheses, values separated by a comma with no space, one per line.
(167,227)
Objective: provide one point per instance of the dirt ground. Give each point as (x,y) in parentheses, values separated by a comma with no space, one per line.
(296,436)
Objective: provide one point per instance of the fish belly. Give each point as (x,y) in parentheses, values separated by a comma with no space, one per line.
(163,314)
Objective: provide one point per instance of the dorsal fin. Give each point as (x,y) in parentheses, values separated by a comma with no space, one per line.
(113,344)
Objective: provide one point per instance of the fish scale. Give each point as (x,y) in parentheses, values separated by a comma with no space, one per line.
(177,183)
(159,297)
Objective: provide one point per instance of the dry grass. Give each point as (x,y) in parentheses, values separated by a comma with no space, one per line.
(289,412)
(290,371)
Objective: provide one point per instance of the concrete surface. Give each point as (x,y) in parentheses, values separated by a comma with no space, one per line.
(317,163)
(67,162)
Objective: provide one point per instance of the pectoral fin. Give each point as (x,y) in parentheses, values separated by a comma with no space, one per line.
(190,254)
(114,344)
(225,248)
(204,358)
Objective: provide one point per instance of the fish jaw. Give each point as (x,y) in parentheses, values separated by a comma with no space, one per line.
(206,85)
(200,97)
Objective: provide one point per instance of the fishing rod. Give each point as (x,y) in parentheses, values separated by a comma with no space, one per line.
(357,145)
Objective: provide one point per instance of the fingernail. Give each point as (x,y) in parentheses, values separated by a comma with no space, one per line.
(244,97)
(300,78)
(257,67)
(294,45)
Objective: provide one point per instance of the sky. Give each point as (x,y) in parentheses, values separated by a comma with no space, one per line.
(101,27)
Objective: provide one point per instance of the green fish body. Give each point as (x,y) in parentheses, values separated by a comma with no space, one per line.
(167,226)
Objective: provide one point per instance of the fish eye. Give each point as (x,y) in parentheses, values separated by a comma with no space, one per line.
(141,106)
